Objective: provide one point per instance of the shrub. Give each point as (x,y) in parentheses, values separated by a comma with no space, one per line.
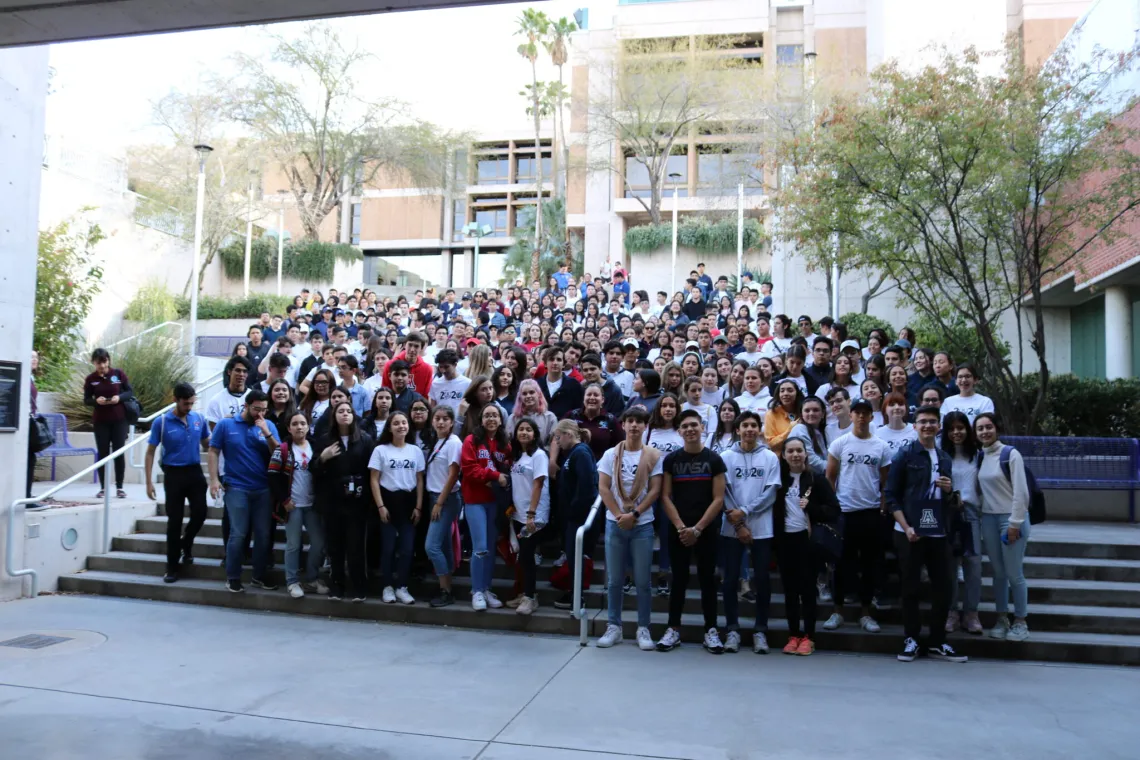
(67,280)
(308,261)
(152,305)
(699,233)
(1089,407)
(859,326)
(214,307)
(153,364)
(961,340)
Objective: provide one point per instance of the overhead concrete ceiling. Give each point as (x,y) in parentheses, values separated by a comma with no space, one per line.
(27,22)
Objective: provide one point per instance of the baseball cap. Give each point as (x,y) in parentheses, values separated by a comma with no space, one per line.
(631,342)
(720,339)
(849,344)
(903,343)
(692,344)
(472,342)
(862,405)
(466,297)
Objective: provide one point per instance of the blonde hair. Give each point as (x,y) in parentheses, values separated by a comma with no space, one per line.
(570,426)
(478,361)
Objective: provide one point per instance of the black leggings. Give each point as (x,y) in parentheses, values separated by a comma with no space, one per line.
(862,560)
(344,539)
(527,547)
(681,555)
(108,437)
(798,567)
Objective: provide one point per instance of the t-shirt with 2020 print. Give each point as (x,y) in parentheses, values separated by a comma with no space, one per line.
(859,462)
(397,466)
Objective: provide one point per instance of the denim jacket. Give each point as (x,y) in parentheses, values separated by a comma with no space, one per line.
(908,484)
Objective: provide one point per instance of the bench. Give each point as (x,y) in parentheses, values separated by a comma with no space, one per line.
(217,346)
(62,446)
(1102,464)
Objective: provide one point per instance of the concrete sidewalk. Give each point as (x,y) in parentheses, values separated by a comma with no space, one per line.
(181,682)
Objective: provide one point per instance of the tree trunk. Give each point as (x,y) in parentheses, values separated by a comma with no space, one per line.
(534,256)
(871,293)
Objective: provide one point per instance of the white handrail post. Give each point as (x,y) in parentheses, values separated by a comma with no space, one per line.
(108,473)
(579,536)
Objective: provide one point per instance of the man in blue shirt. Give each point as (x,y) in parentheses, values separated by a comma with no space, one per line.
(246,442)
(562,277)
(620,284)
(183,434)
(361,399)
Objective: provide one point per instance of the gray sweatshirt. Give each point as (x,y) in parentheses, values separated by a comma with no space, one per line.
(1001,495)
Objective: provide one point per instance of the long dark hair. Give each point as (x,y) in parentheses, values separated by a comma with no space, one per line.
(479,434)
(820,427)
(386,436)
(517,449)
(428,437)
(970,445)
(334,428)
(472,417)
(720,423)
(311,399)
(657,421)
(798,403)
(290,405)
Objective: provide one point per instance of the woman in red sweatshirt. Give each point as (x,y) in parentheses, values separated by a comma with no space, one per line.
(106,389)
(484,461)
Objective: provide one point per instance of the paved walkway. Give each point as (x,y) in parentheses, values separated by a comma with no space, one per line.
(181,682)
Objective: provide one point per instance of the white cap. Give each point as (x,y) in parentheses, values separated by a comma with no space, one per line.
(849,344)
(631,342)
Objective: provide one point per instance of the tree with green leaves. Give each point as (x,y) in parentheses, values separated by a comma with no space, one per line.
(555,247)
(973,190)
(306,106)
(534,26)
(558,47)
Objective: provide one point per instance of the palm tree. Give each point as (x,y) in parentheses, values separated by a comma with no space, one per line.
(560,31)
(534,25)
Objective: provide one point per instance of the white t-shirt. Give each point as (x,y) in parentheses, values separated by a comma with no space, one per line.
(664,440)
(397,465)
(800,381)
(795,519)
(302,490)
(523,473)
(379,426)
(448,454)
(312,373)
(971,406)
(629,461)
(896,438)
(372,385)
(623,379)
(714,397)
(752,357)
(707,412)
(721,443)
(553,385)
(225,404)
(859,463)
(821,394)
(446,392)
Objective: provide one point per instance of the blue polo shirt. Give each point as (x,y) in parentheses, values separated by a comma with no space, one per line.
(246,452)
(180,439)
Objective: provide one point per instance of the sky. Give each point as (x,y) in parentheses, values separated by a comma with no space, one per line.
(457,67)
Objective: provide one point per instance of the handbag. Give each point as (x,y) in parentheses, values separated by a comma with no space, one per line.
(828,541)
(40,434)
(132,410)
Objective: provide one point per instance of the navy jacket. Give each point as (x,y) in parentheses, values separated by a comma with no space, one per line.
(908,486)
(577,482)
(567,399)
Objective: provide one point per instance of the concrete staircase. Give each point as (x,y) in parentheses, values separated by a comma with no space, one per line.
(1084,596)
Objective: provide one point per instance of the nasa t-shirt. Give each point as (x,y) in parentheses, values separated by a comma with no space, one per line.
(692,481)
(397,466)
(859,463)
(446,392)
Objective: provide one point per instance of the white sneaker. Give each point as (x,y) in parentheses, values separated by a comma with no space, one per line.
(478,601)
(561,560)
(538,558)
(610,637)
(403,595)
(869,625)
(1001,627)
(833,622)
(389,595)
(713,644)
(759,643)
(317,587)
(644,640)
(671,640)
(296,591)
(823,592)
(1019,631)
(732,642)
(492,600)
(527,606)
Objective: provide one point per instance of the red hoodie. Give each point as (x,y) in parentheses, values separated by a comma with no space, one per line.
(419,377)
(480,465)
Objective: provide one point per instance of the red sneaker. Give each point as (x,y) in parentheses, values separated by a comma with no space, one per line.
(806,647)
(793,645)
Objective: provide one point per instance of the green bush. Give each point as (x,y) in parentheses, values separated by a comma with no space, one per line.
(153,364)
(699,233)
(307,261)
(214,307)
(859,326)
(961,340)
(1089,407)
(152,305)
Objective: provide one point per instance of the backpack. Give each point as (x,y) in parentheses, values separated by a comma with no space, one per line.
(1037,513)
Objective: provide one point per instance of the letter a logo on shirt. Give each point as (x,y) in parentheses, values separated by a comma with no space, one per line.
(928,520)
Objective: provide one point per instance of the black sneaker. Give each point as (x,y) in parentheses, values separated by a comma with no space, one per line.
(909,651)
(945,653)
(443,599)
(187,558)
(662,588)
(748,596)
(335,593)
(235,586)
(259,583)
(564,602)
(170,577)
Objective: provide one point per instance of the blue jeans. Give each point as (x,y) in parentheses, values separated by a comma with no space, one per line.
(484,534)
(438,542)
(637,545)
(312,522)
(249,513)
(1008,563)
(760,553)
(971,562)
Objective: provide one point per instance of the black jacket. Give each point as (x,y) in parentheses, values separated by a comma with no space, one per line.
(349,469)
(614,402)
(577,486)
(821,376)
(812,383)
(823,506)
(567,399)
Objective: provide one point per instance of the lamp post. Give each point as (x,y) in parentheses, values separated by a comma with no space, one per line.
(280,236)
(203,151)
(674,176)
(477,231)
(248,234)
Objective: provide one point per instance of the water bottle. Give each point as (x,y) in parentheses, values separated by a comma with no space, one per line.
(1005,536)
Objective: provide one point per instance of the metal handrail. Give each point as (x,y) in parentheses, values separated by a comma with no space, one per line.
(579,536)
(181,334)
(209,382)
(108,474)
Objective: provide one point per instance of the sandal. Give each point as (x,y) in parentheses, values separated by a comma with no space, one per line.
(121,494)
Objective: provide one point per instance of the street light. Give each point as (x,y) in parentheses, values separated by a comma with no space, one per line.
(248,233)
(280,236)
(203,151)
(477,231)
(674,176)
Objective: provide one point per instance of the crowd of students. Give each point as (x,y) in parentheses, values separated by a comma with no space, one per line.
(714,433)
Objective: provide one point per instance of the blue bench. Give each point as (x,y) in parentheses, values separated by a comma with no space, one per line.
(1103,464)
(217,346)
(62,446)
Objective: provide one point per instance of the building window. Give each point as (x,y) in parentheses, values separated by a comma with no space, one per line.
(790,71)
(355,239)
(637,177)
(462,170)
(719,171)
(494,171)
(495,217)
(524,169)
(458,220)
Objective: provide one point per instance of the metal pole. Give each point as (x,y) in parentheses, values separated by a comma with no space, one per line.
(475,264)
(248,239)
(673,289)
(280,242)
(108,474)
(835,279)
(740,236)
(579,611)
(203,151)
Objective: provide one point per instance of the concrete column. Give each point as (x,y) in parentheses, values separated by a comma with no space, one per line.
(1117,333)
(445,271)
(23,92)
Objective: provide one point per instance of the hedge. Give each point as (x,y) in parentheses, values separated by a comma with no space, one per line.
(699,233)
(1089,407)
(306,260)
(859,326)
(213,307)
